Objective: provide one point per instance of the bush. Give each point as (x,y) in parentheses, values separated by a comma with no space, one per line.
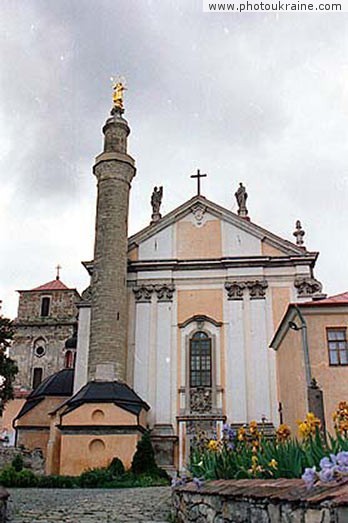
(144,457)
(92,478)
(17,463)
(8,476)
(116,468)
(26,478)
(57,482)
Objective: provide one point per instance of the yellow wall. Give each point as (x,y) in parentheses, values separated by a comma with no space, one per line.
(333,380)
(205,301)
(291,379)
(99,414)
(33,439)
(199,242)
(81,452)
(280,302)
(39,415)
(12,408)
(268,250)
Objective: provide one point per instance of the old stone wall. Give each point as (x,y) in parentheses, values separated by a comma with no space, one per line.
(260,501)
(33,460)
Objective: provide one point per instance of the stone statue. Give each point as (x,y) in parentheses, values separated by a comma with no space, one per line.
(299,233)
(241,197)
(117,96)
(156,200)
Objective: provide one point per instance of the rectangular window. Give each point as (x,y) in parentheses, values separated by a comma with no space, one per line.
(37,377)
(337,344)
(45,306)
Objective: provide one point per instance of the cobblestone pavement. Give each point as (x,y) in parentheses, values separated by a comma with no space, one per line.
(143,505)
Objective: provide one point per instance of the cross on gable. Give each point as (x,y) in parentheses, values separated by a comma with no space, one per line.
(198,176)
(58,271)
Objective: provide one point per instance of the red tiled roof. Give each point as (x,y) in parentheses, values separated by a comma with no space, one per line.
(338,299)
(54,285)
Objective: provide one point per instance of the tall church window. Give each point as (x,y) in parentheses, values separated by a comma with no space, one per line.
(37,377)
(200,360)
(45,306)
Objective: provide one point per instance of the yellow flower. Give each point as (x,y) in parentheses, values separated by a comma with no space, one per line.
(283,432)
(213,445)
(308,427)
(340,418)
(242,435)
(273,463)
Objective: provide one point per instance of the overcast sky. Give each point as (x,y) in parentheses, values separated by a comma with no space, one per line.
(253,98)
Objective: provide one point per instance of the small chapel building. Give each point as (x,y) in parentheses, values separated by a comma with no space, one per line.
(174,329)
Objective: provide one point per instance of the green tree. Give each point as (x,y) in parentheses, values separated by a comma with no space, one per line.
(144,457)
(8,367)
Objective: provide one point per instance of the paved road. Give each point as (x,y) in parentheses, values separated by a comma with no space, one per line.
(143,505)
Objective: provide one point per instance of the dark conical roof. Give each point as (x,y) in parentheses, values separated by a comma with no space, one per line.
(108,392)
(59,384)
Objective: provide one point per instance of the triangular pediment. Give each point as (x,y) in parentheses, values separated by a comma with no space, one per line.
(201,212)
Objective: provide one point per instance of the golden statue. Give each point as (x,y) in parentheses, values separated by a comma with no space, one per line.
(117,96)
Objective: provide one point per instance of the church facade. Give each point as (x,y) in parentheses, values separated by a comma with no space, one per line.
(174,329)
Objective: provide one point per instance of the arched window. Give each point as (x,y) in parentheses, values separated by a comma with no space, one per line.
(200,360)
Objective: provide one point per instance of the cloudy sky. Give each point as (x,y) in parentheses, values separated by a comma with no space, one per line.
(254,98)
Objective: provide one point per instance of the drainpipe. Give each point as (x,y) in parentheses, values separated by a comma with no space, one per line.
(305,347)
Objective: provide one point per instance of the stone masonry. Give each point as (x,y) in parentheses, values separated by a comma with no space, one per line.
(49,332)
(114,170)
(261,501)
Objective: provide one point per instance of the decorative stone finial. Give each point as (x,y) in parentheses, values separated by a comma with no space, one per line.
(156,200)
(241,197)
(118,87)
(299,233)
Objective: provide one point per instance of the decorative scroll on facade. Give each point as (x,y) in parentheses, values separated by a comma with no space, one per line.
(201,400)
(165,292)
(257,289)
(87,294)
(143,293)
(308,286)
(235,290)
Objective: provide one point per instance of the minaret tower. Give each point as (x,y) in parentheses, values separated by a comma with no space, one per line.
(114,170)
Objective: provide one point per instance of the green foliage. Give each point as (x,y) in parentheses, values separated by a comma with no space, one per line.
(271,459)
(17,463)
(56,482)
(144,457)
(8,368)
(116,468)
(98,477)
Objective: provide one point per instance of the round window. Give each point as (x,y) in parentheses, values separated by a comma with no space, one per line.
(39,351)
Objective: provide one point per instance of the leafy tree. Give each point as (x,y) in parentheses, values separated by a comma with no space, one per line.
(8,367)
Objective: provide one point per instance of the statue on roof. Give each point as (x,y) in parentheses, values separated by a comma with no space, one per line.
(117,97)
(299,233)
(241,197)
(156,201)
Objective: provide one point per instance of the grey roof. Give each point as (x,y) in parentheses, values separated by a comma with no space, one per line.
(108,392)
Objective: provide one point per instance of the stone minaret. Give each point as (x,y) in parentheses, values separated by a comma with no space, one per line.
(114,170)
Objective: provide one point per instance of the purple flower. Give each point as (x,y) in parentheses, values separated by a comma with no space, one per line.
(327,474)
(342,459)
(326,463)
(198,482)
(309,476)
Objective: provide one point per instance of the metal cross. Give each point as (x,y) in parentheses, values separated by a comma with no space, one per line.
(198,176)
(58,270)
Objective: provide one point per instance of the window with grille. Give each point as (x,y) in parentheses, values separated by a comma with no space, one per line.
(337,343)
(200,360)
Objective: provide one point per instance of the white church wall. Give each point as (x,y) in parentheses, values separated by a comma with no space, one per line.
(236,242)
(259,401)
(81,366)
(142,349)
(163,364)
(159,246)
(235,369)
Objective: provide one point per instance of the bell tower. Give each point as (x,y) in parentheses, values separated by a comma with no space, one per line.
(114,169)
